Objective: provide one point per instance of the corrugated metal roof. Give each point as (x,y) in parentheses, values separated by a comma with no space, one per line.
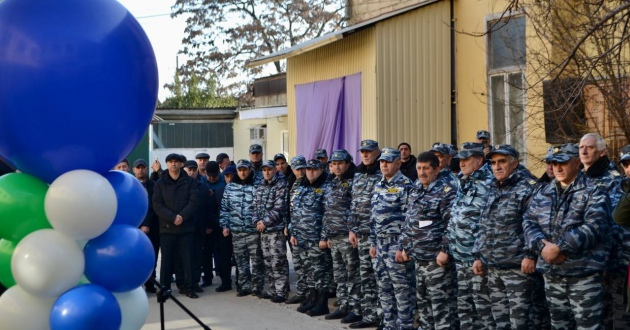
(330,37)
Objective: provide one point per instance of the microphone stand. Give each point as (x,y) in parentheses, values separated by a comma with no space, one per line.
(163,293)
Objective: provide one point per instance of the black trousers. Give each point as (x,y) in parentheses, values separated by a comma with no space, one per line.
(154,237)
(217,248)
(177,248)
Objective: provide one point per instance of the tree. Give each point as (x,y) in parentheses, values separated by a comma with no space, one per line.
(577,68)
(222,35)
(195,94)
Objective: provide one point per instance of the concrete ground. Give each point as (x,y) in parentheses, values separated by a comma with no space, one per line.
(226,311)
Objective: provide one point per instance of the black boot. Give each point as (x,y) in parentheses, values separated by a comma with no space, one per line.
(321,308)
(339,313)
(296,300)
(309,302)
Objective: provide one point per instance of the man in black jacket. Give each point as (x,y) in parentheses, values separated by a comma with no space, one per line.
(408,162)
(150,225)
(175,201)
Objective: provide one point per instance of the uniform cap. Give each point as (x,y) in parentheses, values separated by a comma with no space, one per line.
(280,155)
(339,155)
(243,163)
(268,163)
(230,170)
(483,134)
(202,155)
(255,148)
(389,154)
(469,149)
(314,163)
(298,162)
(503,149)
(442,148)
(139,162)
(452,149)
(321,153)
(624,154)
(550,153)
(368,145)
(563,153)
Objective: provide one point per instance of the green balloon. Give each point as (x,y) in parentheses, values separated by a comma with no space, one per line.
(21,205)
(6,252)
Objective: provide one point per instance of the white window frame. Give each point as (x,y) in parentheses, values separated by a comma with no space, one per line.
(284,148)
(505,72)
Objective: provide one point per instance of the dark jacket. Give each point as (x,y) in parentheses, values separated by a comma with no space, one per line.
(151,219)
(408,168)
(173,197)
(216,194)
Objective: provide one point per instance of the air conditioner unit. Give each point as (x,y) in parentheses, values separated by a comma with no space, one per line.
(258,133)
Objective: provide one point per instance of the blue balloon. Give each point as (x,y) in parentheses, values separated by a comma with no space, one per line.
(132,198)
(88,307)
(120,260)
(78,85)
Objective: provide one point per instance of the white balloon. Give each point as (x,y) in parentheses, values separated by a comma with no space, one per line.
(134,306)
(81,204)
(46,263)
(21,310)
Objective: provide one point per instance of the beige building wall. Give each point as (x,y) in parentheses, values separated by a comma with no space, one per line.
(271,145)
(362,10)
(414,77)
(350,55)
(472,81)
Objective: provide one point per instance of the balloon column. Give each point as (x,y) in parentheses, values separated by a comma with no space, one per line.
(78,86)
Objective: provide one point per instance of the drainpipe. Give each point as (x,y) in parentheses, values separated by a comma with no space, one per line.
(453,87)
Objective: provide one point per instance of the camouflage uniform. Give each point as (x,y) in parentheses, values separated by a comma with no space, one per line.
(575,219)
(365,178)
(256,167)
(297,162)
(388,216)
(473,298)
(236,215)
(604,174)
(423,237)
(306,226)
(500,245)
(446,172)
(270,208)
(335,229)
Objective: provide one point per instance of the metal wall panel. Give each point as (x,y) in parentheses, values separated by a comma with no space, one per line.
(413,78)
(352,54)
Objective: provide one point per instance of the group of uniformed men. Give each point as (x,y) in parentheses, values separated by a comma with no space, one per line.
(482,245)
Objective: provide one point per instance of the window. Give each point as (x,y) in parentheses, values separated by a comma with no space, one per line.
(192,135)
(506,68)
(285,142)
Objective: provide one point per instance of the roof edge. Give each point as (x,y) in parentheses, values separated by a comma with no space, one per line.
(329,38)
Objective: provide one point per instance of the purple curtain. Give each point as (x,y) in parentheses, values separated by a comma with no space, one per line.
(329,115)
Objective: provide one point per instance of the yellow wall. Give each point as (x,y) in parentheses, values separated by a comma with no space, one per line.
(414,78)
(362,10)
(471,79)
(353,54)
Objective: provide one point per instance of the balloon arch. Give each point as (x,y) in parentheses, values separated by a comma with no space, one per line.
(78,87)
